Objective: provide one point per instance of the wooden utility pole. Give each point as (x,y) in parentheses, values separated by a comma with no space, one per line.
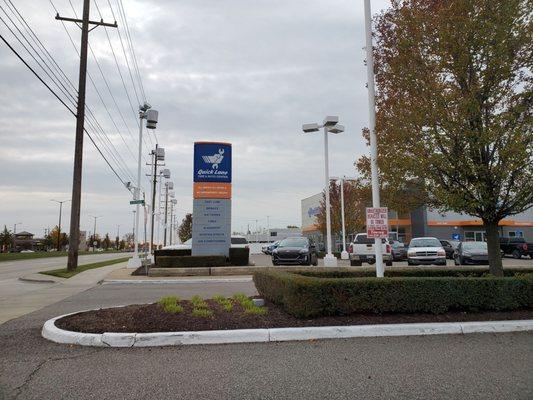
(74,240)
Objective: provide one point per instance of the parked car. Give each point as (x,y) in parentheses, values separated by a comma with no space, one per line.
(448,248)
(426,250)
(362,250)
(27,251)
(398,251)
(517,247)
(267,248)
(236,242)
(471,253)
(295,251)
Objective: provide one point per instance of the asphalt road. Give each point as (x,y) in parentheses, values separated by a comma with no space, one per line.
(480,366)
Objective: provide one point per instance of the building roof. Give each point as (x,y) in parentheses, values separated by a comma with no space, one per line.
(24,233)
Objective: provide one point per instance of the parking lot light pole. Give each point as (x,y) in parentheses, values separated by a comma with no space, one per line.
(344,253)
(330,126)
(94,229)
(380,272)
(59,226)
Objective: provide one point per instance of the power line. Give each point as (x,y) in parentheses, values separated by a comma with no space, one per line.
(60,100)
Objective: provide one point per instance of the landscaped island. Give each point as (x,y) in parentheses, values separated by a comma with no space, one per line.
(308,297)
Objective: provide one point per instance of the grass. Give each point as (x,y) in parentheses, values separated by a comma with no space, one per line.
(202,312)
(45,254)
(64,273)
(171,304)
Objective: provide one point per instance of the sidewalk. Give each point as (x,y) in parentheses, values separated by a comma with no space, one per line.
(52,291)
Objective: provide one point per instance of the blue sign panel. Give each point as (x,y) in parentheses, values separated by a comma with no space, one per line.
(456,236)
(212,162)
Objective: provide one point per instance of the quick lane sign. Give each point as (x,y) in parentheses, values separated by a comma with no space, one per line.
(211,228)
(377,222)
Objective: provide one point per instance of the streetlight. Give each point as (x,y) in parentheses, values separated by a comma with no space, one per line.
(344,253)
(165,173)
(94,229)
(173,202)
(158,154)
(330,125)
(15,235)
(168,186)
(380,272)
(151,117)
(59,226)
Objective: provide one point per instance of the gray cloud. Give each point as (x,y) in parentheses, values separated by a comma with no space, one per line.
(247,72)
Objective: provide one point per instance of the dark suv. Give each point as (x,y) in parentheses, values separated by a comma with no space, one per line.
(295,251)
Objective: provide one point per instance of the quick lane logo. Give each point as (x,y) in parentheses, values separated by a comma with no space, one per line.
(215,159)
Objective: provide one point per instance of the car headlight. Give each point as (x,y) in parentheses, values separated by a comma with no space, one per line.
(275,251)
(411,252)
(466,253)
(441,252)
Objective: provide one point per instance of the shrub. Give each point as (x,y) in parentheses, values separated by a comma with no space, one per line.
(198,302)
(169,252)
(190,261)
(224,302)
(202,312)
(170,304)
(239,256)
(309,294)
(248,305)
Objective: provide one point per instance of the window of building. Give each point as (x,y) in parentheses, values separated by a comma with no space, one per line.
(475,236)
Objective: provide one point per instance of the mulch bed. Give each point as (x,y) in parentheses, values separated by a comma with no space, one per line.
(152,318)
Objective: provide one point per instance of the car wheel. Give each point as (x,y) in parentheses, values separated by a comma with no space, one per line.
(388,263)
(516,254)
(355,263)
(274,263)
(455,261)
(315,262)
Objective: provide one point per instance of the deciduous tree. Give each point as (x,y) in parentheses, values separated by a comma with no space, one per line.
(454,101)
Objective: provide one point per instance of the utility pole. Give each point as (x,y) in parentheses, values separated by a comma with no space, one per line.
(118,236)
(268,228)
(133,231)
(80,120)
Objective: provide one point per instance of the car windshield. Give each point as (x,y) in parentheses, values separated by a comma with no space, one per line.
(294,242)
(238,240)
(475,246)
(397,245)
(425,242)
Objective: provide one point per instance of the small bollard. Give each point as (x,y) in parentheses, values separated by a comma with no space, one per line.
(259,302)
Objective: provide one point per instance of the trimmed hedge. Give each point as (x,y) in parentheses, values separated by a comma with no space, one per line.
(171,252)
(239,257)
(190,261)
(309,294)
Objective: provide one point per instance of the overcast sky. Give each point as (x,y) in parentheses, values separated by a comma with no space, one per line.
(249,72)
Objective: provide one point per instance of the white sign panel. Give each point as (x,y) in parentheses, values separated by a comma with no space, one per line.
(377,222)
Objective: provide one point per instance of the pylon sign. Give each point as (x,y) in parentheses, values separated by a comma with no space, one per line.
(211,228)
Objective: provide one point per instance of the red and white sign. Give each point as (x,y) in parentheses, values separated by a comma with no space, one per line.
(377,222)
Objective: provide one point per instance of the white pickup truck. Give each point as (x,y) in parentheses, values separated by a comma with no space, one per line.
(362,250)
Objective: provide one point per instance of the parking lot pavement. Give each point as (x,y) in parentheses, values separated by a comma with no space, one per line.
(262,259)
(479,366)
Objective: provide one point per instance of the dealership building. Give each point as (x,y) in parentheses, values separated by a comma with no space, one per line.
(425,221)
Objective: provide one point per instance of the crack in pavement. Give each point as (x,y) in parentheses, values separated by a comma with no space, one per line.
(20,388)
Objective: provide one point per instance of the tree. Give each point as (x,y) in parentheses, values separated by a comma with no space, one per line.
(356,198)
(454,96)
(6,238)
(106,242)
(185,228)
(63,238)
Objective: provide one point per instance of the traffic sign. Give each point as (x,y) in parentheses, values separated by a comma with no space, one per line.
(456,236)
(141,202)
(377,222)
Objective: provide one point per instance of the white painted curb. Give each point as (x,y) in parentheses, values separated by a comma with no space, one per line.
(173,281)
(51,332)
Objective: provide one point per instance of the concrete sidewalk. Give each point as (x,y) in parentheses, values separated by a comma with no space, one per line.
(48,293)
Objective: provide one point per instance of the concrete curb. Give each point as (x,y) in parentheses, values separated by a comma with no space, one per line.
(51,332)
(174,281)
(39,278)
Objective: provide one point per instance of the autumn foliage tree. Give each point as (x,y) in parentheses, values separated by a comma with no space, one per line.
(454,97)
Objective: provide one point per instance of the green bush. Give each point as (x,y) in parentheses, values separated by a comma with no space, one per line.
(171,304)
(224,302)
(248,304)
(169,252)
(239,257)
(190,261)
(307,294)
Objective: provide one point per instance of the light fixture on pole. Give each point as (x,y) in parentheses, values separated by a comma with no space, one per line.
(330,124)
(168,186)
(165,173)
(59,226)
(151,117)
(380,272)
(344,253)
(173,202)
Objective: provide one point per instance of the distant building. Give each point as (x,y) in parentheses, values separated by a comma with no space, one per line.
(272,235)
(26,241)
